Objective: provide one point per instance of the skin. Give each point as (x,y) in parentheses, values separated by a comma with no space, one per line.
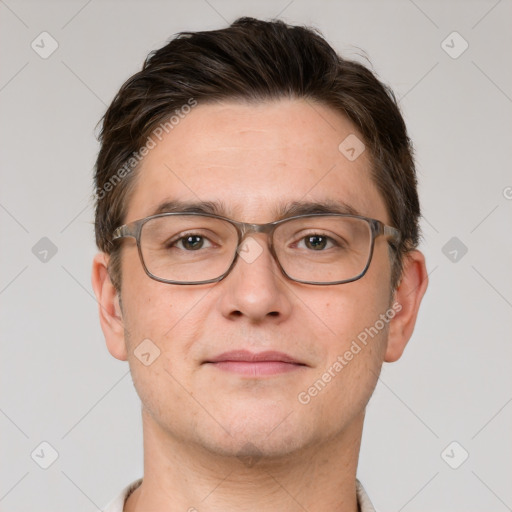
(215,440)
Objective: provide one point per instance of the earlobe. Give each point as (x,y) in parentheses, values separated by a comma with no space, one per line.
(409,293)
(109,307)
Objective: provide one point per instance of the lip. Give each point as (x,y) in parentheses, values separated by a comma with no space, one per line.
(254,364)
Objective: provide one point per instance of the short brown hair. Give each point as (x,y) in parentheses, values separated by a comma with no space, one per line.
(252,61)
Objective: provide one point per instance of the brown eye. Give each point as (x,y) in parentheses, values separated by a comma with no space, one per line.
(192,242)
(315,242)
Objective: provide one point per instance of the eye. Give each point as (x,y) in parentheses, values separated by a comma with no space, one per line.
(191,242)
(316,242)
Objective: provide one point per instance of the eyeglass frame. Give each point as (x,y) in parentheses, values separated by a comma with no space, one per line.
(377,228)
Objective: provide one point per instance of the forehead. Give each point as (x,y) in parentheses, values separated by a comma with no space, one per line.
(252,160)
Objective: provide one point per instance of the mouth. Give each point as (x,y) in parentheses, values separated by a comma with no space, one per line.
(253,364)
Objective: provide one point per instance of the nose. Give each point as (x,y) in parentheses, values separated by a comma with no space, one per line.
(255,288)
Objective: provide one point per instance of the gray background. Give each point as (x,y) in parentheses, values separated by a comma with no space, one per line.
(58,382)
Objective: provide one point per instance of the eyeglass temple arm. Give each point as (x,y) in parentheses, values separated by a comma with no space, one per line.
(124,231)
(394,233)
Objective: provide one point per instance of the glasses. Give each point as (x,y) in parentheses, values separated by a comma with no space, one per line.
(197,248)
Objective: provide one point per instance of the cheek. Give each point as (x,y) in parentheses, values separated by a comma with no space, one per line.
(346,312)
(171,317)
(152,309)
(168,315)
(355,320)
(352,350)
(161,324)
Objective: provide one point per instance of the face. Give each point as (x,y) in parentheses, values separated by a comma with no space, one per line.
(254,160)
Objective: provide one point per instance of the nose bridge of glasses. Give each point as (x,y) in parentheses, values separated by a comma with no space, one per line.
(246,229)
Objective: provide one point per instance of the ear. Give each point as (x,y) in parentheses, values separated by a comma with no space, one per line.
(407,297)
(111,318)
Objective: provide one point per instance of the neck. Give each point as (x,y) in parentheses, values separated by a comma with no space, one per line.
(179,476)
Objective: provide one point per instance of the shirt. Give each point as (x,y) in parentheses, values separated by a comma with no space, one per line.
(117,505)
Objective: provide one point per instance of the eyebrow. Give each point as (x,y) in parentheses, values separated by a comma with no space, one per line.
(282,211)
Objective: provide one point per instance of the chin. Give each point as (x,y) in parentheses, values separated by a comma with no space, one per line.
(252,448)
(257,434)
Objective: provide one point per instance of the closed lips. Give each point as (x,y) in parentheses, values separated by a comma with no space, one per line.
(255,365)
(251,357)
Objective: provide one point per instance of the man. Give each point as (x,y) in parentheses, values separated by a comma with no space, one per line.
(257,217)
